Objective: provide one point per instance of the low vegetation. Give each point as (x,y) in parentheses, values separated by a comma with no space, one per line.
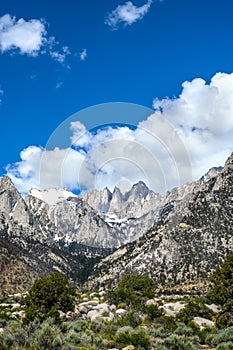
(138,319)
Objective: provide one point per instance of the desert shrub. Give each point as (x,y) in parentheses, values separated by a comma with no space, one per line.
(225,346)
(183,329)
(8,340)
(160,332)
(224,320)
(129,336)
(57,341)
(46,335)
(72,337)
(97,341)
(77,326)
(176,342)
(158,345)
(48,295)
(86,339)
(223,336)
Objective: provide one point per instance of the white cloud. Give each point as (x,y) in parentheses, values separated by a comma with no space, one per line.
(1,94)
(39,168)
(29,37)
(83,55)
(203,118)
(59,84)
(179,142)
(127,14)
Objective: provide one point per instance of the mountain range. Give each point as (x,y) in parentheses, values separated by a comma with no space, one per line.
(176,238)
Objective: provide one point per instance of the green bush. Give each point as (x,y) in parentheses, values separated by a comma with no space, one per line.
(176,342)
(46,335)
(8,340)
(169,323)
(183,329)
(193,309)
(224,320)
(153,311)
(132,319)
(222,278)
(225,346)
(77,326)
(132,290)
(223,336)
(48,295)
(129,336)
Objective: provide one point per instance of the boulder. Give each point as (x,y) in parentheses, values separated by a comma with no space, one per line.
(93,315)
(215,308)
(151,302)
(82,309)
(121,312)
(204,323)
(172,309)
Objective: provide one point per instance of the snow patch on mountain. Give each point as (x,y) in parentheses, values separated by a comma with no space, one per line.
(52,196)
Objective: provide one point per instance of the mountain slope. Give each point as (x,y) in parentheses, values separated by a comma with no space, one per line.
(28,248)
(188,242)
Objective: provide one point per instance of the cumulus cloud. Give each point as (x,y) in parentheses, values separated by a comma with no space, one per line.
(178,142)
(127,14)
(203,118)
(29,37)
(41,168)
(83,55)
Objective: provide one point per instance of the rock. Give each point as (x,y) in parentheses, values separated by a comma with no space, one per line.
(69,316)
(62,315)
(121,312)
(1,330)
(17,295)
(108,319)
(18,314)
(92,295)
(129,347)
(15,306)
(82,309)
(93,315)
(21,314)
(112,307)
(151,302)
(110,316)
(103,307)
(203,323)
(214,308)
(85,299)
(102,293)
(172,309)
(5,305)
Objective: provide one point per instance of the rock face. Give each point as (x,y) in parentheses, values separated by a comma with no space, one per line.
(190,239)
(12,205)
(102,219)
(174,238)
(28,247)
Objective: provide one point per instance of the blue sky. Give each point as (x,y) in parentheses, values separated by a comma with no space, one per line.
(83,53)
